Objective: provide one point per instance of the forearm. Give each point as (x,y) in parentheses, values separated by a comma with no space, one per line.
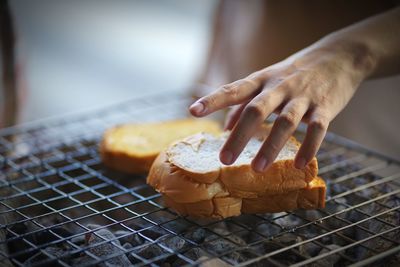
(373,44)
(215,72)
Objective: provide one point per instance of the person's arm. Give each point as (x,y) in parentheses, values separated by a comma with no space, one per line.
(313,85)
(8,90)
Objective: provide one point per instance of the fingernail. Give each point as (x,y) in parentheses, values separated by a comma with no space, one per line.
(226,157)
(226,126)
(197,107)
(300,163)
(260,164)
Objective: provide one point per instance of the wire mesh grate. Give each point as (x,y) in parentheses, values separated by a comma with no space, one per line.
(61,207)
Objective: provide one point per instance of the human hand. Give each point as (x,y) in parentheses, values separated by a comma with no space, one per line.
(313,85)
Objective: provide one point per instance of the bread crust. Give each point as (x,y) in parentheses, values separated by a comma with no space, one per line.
(188,197)
(217,208)
(222,207)
(173,182)
(282,176)
(311,197)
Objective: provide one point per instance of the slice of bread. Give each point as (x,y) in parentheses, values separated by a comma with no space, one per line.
(218,208)
(197,156)
(132,148)
(173,182)
(311,197)
(192,180)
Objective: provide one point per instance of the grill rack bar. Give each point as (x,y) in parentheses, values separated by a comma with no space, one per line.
(72,157)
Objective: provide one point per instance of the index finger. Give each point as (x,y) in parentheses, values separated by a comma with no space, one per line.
(227,95)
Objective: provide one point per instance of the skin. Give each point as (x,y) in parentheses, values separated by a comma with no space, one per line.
(313,85)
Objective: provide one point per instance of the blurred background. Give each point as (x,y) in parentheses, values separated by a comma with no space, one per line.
(77,55)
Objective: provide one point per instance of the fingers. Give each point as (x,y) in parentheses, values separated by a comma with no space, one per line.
(249,120)
(233,116)
(227,95)
(317,127)
(283,128)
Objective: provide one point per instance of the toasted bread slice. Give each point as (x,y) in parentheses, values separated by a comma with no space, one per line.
(132,148)
(198,157)
(312,197)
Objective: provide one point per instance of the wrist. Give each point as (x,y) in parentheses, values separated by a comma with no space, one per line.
(358,54)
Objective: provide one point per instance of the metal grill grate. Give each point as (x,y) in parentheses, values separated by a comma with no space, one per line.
(61,207)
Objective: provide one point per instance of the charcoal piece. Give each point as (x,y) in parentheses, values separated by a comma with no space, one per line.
(228,235)
(289,222)
(39,257)
(19,228)
(45,236)
(219,246)
(61,231)
(282,241)
(193,254)
(244,255)
(379,244)
(335,189)
(266,229)
(196,236)
(330,260)
(129,248)
(175,243)
(249,221)
(106,249)
(391,261)
(326,239)
(78,240)
(154,232)
(129,237)
(4,261)
(369,193)
(309,215)
(148,251)
(341,220)
(83,260)
(93,226)
(339,237)
(309,249)
(178,226)
(56,251)
(376,226)
(212,262)
(18,245)
(234,257)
